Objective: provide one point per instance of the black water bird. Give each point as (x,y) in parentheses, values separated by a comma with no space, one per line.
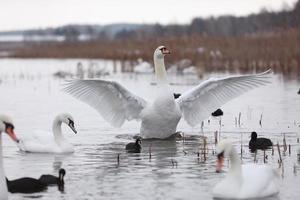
(299,91)
(217,113)
(134,147)
(259,143)
(176,95)
(48,179)
(25,185)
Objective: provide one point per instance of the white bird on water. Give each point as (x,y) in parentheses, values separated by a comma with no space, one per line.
(47,142)
(6,125)
(161,117)
(247,181)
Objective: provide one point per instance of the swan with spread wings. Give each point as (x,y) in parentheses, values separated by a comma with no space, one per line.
(159,119)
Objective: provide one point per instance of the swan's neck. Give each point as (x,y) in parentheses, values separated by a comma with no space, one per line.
(56,128)
(3,186)
(160,70)
(235,164)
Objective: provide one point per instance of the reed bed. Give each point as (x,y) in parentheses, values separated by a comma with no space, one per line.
(278,50)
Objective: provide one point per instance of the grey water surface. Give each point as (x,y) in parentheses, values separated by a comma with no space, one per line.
(32,96)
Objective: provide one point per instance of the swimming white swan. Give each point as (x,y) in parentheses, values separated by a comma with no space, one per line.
(6,125)
(160,118)
(46,143)
(243,181)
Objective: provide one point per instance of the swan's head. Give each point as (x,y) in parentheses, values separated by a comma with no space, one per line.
(223,149)
(7,126)
(160,52)
(68,119)
(253,135)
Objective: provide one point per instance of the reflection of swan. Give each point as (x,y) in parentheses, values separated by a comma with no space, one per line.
(160,118)
(51,144)
(243,181)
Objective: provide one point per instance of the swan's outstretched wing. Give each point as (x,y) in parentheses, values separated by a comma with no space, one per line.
(114,102)
(199,102)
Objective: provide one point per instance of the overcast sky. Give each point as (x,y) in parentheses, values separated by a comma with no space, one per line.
(23,14)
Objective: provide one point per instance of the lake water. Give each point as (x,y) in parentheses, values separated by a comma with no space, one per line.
(32,96)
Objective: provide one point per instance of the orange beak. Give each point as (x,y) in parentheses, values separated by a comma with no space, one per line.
(11,134)
(219,164)
(166,51)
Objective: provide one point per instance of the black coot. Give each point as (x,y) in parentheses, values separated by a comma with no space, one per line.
(48,179)
(176,95)
(134,147)
(259,143)
(25,185)
(217,113)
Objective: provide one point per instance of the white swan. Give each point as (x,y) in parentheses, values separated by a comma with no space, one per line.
(160,118)
(6,125)
(243,181)
(44,142)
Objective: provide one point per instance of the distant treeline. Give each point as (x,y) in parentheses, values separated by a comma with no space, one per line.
(279,50)
(223,26)
(213,26)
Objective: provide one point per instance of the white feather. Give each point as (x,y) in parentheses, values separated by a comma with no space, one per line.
(197,103)
(114,102)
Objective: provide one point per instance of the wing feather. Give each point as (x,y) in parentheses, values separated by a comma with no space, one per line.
(114,102)
(197,103)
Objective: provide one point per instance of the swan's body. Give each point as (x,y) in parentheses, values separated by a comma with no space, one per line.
(160,118)
(6,125)
(45,142)
(244,181)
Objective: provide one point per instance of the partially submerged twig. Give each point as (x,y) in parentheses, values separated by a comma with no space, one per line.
(240,114)
(202,125)
(284,144)
(279,153)
(260,119)
(216,137)
(241,145)
(118,159)
(150,152)
(204,148)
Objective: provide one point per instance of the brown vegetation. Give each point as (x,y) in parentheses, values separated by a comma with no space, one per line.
(277,50)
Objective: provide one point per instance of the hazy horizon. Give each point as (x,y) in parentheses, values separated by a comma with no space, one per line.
(35,14)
